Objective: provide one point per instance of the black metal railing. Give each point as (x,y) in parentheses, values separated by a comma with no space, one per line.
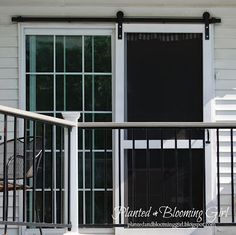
(157,164)
(34,183)
(222,190)
(134,165)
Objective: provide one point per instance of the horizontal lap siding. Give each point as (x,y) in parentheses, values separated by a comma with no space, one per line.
(8,64)
(225,69)
(225,104)
(9,92)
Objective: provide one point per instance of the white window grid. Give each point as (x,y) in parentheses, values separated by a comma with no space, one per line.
(83,112)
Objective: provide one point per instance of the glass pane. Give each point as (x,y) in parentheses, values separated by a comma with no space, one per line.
(97,53)
(102,207)
(103,160)
(59,134)
(102,93)
(98,93)
(44,93)
(102,54)
(47,206)
(60,169)
(39,92)
(80,174)
(88,163)
(47,171)
(69,92)
(80,137)
(81,214)
(68,53)
(37,49)
(59,208)
(60,92)
(98,117)
(96,138)
(88,205)
(89,93)
(100,160)
(60,53)
(73,54)
(73,93)
(88,54)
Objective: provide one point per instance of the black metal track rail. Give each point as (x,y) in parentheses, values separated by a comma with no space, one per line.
(196,20)
(120,19)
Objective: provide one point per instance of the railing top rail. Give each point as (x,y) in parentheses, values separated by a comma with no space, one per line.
(120,125)
(115,125)
(35,116)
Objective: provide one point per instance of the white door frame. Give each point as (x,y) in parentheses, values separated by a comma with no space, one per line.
(208,95)
(52,29)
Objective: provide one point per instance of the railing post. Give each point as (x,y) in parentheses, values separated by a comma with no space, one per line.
(73,187)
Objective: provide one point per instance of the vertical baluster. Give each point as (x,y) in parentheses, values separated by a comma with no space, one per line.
(43,172)
(14,169)
(218,173)
(204,170)
(232,172)
(24,169)
(119,170)
(61,173)
(147,170)
(162,169)
(52,174)
(91,178)
(133,171)
(68,173)
(5,188)
(105,175)
(34,170)
(176,168)
(5,173)
(190,169)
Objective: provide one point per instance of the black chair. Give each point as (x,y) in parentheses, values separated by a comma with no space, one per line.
(17,162)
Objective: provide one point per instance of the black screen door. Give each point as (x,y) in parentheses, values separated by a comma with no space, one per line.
(164,77)
(164,83)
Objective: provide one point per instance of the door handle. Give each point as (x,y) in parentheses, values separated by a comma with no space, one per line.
(208,137)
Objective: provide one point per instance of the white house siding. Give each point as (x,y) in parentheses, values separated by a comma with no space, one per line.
(225,74)
(224,48)
(8,84)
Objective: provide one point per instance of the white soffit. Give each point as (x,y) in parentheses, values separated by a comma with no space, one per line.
(117,3)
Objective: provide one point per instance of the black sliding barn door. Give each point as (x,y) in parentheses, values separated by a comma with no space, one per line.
(164,83)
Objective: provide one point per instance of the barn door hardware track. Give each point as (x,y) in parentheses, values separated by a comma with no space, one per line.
(120,19)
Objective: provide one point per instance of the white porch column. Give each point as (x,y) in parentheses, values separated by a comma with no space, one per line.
(73,187)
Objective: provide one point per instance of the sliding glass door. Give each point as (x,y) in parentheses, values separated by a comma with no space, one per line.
(71,71)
